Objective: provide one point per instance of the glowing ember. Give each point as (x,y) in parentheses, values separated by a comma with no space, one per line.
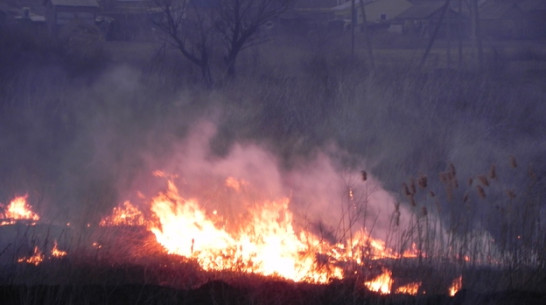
(456,286)
(55,252)
(381,284)
(18,209)
(411,288)
(35,259)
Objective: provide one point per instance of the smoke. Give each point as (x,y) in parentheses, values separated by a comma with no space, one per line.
(81,146)
(323,193)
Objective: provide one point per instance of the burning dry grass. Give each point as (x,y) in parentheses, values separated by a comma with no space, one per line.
(18,209)
(80,144)
(169,239)
(128,247)
(132,246)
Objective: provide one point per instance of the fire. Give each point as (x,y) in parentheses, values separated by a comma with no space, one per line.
(55,252)
(381,284)
(235,184)
(411,253)
(411,288)
(36,258)
(18,209)
(266,244)
(456,285)
(263,240)
(126,215)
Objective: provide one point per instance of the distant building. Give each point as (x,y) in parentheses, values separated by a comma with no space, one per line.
(502,19)
(63,12)
(424,16)
(128,19)
(378,12)
(535,15)
(385,10)
(3,13)
(318,3)
(302,20)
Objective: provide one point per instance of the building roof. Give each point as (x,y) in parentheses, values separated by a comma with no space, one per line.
(314,4)
(75,3)
(421,10)
(532,5)
(4,6)
(390,8)
(205,3)
(374,9)
(345,6)
(499,10)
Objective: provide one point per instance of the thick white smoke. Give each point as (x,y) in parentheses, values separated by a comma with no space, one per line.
(322,192)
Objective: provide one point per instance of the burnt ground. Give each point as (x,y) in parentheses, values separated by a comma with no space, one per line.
(168,280)
(219,292)
(130,268)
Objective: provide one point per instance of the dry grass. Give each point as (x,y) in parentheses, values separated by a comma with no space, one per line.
(78,135)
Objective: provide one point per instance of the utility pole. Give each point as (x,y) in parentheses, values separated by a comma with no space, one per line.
(367,37)
(445,8)
(460,32)
(476,35)
(354,20)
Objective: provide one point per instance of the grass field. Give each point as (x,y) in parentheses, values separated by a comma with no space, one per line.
(81,131)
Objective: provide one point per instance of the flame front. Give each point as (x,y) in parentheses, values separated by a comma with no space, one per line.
(18,209)
(456,285)
(127,215)
(55,252)
(411,288)
(36,258)
(184,228)
(262,240)
(381,284)
(266,243)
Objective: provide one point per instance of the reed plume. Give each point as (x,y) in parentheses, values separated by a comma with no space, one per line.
(513,162)
(483,180)
(481,192)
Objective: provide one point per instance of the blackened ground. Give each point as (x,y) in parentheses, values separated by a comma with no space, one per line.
(218,292)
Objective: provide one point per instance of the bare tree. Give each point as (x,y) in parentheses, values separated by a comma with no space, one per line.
(189,29)
(200,29)
(354,21)
(476,34)
(441,18)
(369,47)
(239,21)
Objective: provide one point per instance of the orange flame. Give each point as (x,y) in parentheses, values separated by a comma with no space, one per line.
(35,259)
(18,209)
(266,244)
(55,252)
(411,288)
(456,285)
(381,284)
(411,253)
(265,241)
(235,184)
(126,215)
